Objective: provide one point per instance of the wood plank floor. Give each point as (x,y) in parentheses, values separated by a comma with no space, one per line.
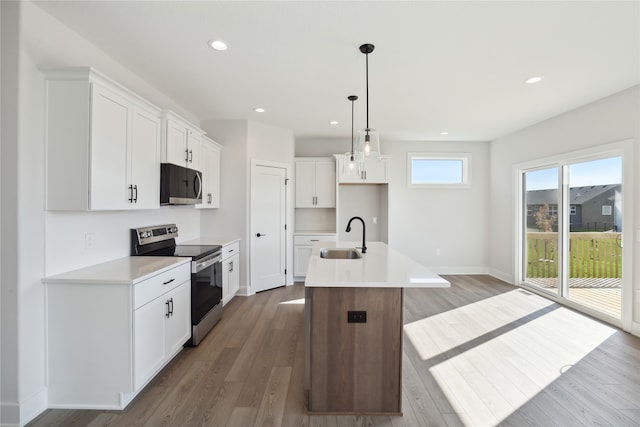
(482,353)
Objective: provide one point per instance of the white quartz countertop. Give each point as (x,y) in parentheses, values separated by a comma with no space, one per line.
(380,267)
(123,271)
(211,240)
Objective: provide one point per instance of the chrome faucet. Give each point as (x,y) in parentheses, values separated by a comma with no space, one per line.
(364,247)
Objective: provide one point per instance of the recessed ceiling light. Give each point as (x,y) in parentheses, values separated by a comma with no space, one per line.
(532,80)
(444,133)
(259,110)
(333,122)
(218,44)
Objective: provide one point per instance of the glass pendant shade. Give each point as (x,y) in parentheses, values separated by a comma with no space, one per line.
(351,166)
(368,145)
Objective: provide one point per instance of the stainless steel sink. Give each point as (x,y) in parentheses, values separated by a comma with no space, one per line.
(340,253)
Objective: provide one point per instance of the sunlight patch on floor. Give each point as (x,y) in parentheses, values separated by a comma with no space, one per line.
(294,301)
(438,333)
(488,380)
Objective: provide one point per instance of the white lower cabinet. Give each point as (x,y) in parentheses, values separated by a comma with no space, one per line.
(106,341)
(302,245)
(161,327)
(230,271)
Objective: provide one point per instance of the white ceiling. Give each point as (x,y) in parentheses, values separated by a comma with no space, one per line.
(438,66)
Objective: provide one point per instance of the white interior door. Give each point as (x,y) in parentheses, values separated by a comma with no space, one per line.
(268,235)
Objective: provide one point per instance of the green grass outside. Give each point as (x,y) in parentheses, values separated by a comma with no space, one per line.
(592,255)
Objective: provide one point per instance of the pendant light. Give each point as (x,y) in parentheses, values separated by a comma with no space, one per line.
(351,164)
(368,146)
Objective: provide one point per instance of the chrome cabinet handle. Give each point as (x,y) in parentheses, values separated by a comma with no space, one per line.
(260,235)
(135,199)
(131,194)
(168,281)
(168,313)
(186,159)
(231,266)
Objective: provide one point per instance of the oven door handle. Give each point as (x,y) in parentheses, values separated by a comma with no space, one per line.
(199,266)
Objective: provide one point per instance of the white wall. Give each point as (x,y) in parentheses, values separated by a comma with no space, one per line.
(34,39)
(611,119)
(451,220)
(242,141)
(231,219)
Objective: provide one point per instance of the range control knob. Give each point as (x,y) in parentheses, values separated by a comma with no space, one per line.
(173,229)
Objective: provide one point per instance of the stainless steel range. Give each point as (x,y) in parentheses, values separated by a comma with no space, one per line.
(206,273)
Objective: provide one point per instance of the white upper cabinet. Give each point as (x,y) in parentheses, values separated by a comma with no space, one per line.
(180,141)
(103,144)
(210,167)
(315,183)
(373,172)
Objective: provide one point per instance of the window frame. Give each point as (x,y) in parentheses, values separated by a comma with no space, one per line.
(465,158)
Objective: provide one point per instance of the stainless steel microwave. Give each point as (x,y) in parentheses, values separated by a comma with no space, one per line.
(179,185)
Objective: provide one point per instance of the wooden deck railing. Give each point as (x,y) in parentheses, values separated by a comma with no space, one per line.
(592,255)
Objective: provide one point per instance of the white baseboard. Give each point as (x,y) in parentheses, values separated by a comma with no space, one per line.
(505,277)
(459,270)
(9,414)
(635,329)
(33,406)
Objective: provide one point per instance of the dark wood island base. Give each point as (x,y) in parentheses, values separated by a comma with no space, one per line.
(354,365)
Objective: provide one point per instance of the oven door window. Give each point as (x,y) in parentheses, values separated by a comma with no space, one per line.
(206,291)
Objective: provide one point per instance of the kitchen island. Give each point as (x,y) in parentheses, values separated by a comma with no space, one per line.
(354,328)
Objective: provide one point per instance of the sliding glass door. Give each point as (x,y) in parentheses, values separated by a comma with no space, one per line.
(572,232)
(541,199)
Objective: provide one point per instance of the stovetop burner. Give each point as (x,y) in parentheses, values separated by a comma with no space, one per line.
(160,241)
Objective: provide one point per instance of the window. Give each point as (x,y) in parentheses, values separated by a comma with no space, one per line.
(439,170)
(606,210)
(573,209)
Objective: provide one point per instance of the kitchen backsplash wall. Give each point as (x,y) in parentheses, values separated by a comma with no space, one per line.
(79,239)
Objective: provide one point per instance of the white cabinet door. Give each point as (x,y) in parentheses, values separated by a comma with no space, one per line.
(301,255)
(210,164)
(178,321)
(325,184)
(230,271)
(375,171)
(110,127)
(214,177)
(148,337)
(144,176)
(234,275)
(315,184)
(305,184)
(176,143)
(194,142)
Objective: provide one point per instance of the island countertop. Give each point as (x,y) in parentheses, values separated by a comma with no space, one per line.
(380,267)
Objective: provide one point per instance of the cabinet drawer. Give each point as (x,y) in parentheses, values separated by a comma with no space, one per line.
(152,288)
(310,239)
(230,250)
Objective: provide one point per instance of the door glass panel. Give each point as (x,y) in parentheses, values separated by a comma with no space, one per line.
(540,210)
(595,239)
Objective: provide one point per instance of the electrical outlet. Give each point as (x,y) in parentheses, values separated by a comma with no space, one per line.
(375,219)
(89,240)
(438,252)
(356,317)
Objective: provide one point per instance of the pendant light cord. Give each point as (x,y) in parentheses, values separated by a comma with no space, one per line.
(367,92)
(352,98)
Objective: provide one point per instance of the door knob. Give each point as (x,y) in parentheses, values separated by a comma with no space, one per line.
(260,235)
